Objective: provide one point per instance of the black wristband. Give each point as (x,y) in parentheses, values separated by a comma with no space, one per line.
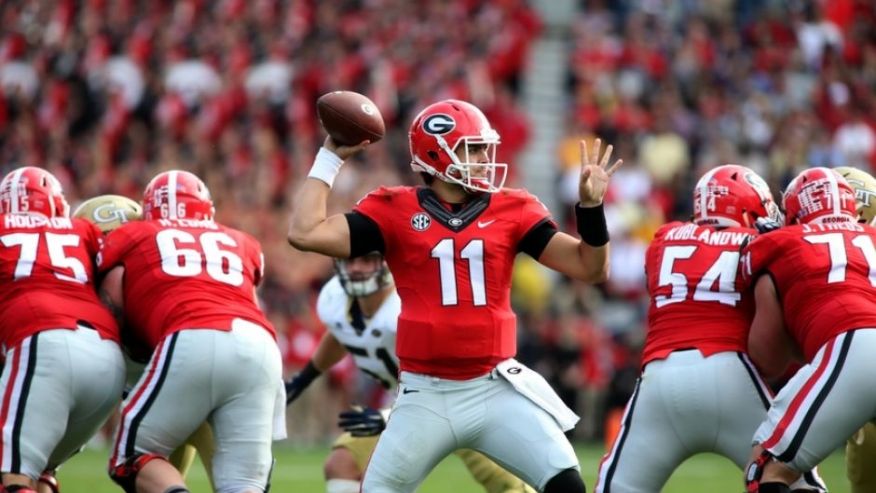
(591,225)
(308,374)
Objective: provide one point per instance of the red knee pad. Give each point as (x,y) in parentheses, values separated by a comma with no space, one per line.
(51,481)
(125,474)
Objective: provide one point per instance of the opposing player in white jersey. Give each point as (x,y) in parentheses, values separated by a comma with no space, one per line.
(360,307)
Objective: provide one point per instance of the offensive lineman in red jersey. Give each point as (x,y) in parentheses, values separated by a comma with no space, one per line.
(450,246)
(817,277)
(108,213)
(695,349)
(58,340)
(187,285)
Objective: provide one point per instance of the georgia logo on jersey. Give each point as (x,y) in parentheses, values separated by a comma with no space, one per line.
(421,221)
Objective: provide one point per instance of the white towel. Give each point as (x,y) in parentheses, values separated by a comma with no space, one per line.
(535,388)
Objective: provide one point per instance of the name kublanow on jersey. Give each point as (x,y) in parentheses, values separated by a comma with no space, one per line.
(36,221)
(707,236)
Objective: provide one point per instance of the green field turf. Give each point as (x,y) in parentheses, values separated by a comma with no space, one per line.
(301,471)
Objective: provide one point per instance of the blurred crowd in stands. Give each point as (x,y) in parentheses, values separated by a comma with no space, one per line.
(106,93)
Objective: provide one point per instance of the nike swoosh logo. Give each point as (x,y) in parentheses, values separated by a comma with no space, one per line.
(485,223)
(408,391)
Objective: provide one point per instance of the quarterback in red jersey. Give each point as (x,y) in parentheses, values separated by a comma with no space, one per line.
(58,340)
(450,246)
(818,275)
(695,349)
(186,285)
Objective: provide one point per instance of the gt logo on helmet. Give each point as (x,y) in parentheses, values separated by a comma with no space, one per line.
(108,213)
(439,124)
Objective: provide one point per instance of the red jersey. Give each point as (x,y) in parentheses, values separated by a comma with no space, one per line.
(184,274)
(697,300)
(825,276)
(47,277)
(452,271)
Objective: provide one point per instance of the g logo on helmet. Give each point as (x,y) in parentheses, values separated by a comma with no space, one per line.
(439,124)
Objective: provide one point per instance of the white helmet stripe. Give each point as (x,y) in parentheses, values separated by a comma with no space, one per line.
(834,191)
(171,194)
(704,192)
(16,190)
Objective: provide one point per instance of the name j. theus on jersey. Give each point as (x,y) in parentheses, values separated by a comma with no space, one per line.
(707,236)
(34,221)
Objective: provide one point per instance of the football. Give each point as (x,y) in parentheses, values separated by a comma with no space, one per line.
(349,117)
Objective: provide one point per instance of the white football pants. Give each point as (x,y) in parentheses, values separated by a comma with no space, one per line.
(432,417)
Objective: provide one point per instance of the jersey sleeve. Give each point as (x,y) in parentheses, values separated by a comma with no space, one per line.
(758,255)
(115,246)
(376,206)
(532,214)
(323,302)
(365,235)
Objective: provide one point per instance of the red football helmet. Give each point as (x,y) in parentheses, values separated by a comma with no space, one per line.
(32,190)
(733,196)
(436,135)
(177,195)
(819,195)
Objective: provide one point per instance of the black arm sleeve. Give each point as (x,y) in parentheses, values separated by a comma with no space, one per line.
(537,238)
(365,235)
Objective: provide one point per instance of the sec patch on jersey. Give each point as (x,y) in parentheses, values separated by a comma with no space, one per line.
(349,117)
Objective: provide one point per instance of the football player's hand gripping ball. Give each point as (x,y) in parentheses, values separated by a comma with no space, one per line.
(362,422)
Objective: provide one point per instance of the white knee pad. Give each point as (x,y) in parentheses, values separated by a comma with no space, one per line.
(341,486)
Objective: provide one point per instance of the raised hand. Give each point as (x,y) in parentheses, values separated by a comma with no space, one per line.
(595,173)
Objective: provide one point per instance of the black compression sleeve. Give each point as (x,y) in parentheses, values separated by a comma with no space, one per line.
(591,225)
(365,235)
(308,374)
(537,238)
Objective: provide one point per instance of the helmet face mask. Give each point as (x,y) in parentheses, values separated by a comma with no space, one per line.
(818,196)
(363,276)
(177,195)
(453,141)
(32,190)
(733,196)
